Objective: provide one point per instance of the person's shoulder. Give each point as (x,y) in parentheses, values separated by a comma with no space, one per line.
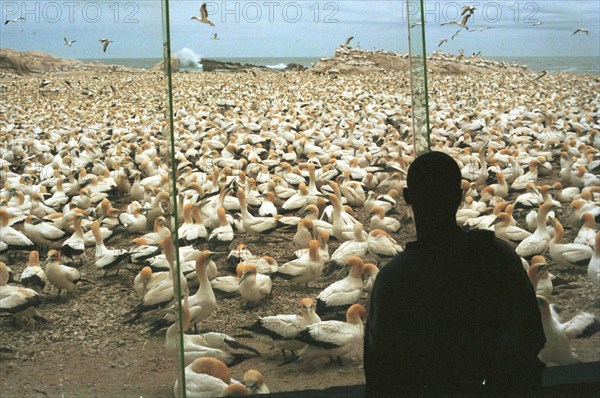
(394,266)
(486,237)
(480,235)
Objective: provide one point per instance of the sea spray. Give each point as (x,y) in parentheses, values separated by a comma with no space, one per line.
(190,61)
(279,66)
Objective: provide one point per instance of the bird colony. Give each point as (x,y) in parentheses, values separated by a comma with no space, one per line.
(288,204)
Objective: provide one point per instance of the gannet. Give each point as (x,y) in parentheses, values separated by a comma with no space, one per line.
(14,20)
(280,331)
(538,242)
(61,276)
(18,301)
(340,295)
(253,286)
(33,276)
(203,16)
(568,254)
(332,338)
(255,382)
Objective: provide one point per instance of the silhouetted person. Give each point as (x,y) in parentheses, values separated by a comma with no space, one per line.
(454,314)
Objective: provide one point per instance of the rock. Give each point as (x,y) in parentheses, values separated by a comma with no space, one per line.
(175,65)
(293,66)
(355,61)
(34,62)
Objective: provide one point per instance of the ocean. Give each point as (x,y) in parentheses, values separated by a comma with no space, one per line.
(589,65)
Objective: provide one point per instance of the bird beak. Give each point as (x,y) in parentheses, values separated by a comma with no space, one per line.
(496,221)
(543,268)
(247,274)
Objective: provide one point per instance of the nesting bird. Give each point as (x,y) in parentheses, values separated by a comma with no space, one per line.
(332,339)
(61,276)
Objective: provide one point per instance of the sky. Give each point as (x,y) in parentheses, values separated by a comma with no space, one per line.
(296,28)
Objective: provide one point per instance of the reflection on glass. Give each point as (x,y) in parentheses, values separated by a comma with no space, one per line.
(418,75)
(173,256)
(78,139)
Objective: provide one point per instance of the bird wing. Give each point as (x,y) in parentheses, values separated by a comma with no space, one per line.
(341,293)
(72,274)
(578,254)
(264,283)
(578,324)
(348,40)
(66,41)
(227,284)
(279,326)
(203,11)
(517,234)
(530,247)
(465,19)
(327,334)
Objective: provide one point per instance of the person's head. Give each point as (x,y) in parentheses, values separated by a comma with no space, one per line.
(433,186)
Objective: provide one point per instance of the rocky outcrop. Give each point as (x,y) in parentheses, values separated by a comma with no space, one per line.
(351,60)
(24,63)
(211,65)
(175,65)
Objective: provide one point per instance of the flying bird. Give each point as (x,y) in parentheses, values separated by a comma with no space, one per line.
(587,32)
(348,40)
(215,37)
(462,23)
(14,20)
(68,43)
(455,34)
(442,42)
(468,9)
(537,23)
(203,16)
(480,29)
(105,43)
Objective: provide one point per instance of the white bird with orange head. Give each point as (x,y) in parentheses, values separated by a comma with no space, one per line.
(333,339)
(255,382)
(539,276)
(205,377)
(33,276)
(59,275)
(16,300)
(253,286)
(340,295)
(280,331)
(538,242)
(568,254)
(511,234)
(305,269)
(108,259)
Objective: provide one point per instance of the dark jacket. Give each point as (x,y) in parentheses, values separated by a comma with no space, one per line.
(455,317)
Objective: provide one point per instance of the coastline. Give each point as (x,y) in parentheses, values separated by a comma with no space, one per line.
(344,60)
